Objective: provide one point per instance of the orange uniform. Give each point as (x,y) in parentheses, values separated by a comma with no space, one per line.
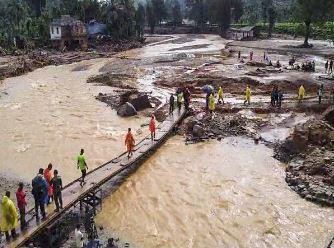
(129,141)
(152,125)
(48,177)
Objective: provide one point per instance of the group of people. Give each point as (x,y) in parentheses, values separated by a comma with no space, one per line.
(45,189)
(329,67)
(276,97)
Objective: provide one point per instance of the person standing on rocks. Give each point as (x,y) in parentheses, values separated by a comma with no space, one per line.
(220,95)
(239,55)
(48,177)
(330,67)
(248,94)
(57,184)
(320,92)
(171,104)
(212,104)
(39,189)
(326,66)
(82,165)
(79,238)
(280,99)
(251,56)
(301,93)
(274,96)
(21,205)
(152,127)
(186,96)
(9,217)
(129,142)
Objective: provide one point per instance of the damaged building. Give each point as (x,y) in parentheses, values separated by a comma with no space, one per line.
(68,32)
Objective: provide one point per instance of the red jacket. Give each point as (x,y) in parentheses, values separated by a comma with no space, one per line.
(21,199)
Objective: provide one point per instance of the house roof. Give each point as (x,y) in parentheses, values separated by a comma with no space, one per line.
(243,29)
(65,20)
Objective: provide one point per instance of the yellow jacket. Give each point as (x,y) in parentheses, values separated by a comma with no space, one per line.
(220,93)
(248,93)
(301,92)
(9,215)
(212,104)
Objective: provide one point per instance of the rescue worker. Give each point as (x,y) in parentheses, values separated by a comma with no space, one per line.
(179,101)
(82,165)
(320,92)
(220,95)
(21,205)
(48,178)
(301,93)
(9,216)
(171,104)
(152,127)
(57,184)
(212,104)
(39,189)
(129,142)
(248,94)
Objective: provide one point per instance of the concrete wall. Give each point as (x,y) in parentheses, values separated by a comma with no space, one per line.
(55,32)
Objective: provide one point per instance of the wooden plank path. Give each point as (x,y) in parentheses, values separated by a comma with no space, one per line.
(73,192)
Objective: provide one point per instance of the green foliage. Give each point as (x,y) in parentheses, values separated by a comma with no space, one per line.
(151,20)
(140,20)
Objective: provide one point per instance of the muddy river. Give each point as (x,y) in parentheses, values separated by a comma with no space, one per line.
(216,194)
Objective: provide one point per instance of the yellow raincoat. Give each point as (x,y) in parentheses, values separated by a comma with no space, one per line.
(212,104)
(301,92)
(9,215)
(220,93)
(248,94)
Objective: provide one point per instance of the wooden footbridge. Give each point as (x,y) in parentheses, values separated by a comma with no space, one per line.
(73,194)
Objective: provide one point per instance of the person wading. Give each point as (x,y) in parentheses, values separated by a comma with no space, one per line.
(129,142)
(48,177)
(171,104)
(220,95)
(82,165)
(248,94)
(57,184)
(21,205)
(152,127)
(39,190)
(301,93)
(9,217)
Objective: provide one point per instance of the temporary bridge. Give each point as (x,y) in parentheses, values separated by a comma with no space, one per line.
(73,194)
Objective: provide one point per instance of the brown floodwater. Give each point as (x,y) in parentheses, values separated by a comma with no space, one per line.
(49,114)
(217,194)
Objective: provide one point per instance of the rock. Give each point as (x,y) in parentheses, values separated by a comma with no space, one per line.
(256,63)
(160,115)
(141,102)
(189,123)
(127,110)
(198,131)
(329,115)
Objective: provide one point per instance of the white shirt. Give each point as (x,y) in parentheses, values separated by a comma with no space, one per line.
(78,238)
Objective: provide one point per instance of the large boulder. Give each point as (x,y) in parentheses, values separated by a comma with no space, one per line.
(127,110)
(329,115)
(141,102)
(190,122)
(198,131)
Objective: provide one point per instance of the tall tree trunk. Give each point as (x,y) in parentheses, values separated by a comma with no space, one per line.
(307,32)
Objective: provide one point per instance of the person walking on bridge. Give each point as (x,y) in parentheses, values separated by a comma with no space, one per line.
(82,165)
(57,184)
(171,104)
(39,190)
(21,205)
(129,142)
(152,127)
(248,94)
(9,216)
(48,177)
(301,93)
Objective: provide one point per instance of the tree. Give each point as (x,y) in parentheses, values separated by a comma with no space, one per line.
(220,12)
(159,10)
(265,5)
(272,19)
(140,20)
(150,17)
(176,13)
(197,10)
(311,11)
(238,9)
